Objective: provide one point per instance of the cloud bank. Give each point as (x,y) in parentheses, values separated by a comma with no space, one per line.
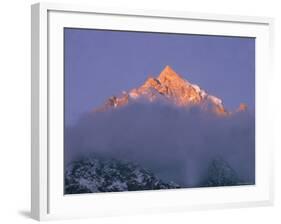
(176,144)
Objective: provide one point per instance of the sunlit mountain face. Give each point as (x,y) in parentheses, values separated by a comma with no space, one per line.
(165,134)
(171,87)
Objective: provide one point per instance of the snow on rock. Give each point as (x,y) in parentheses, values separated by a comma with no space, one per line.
(109,175)
(171,87)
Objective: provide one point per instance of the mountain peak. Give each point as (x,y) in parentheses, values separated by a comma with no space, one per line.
(242,107)
(168,74)
(169,86)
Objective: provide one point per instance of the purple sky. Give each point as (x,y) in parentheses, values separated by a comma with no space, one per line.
(100,63)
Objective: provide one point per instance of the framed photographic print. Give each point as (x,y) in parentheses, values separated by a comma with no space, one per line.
(139,111)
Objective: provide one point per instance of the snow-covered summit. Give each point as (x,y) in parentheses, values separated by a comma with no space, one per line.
(173,88)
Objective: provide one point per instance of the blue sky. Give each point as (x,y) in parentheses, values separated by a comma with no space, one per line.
(101,63)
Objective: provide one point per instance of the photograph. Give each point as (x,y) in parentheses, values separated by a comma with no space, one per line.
(156,111)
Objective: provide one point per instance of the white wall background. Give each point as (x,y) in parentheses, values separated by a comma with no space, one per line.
(15,110)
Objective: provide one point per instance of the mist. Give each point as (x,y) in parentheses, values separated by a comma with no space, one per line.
(177,144)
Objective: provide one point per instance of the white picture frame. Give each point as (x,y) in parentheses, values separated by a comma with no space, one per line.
(47,199)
